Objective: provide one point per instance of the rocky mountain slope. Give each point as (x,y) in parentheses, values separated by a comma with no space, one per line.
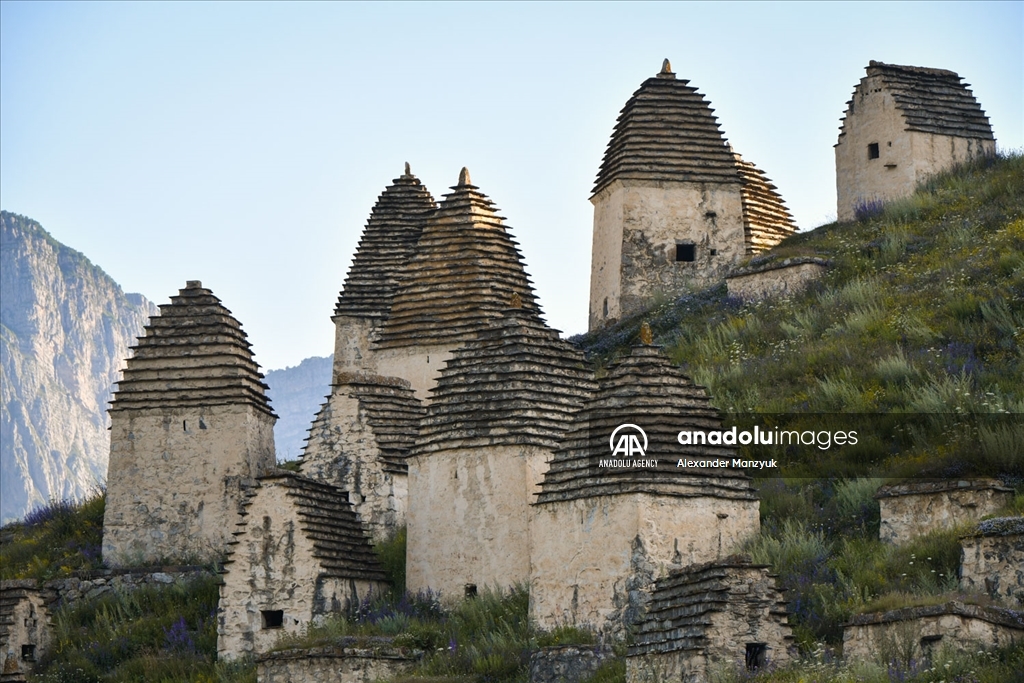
(65,328)
(296,394)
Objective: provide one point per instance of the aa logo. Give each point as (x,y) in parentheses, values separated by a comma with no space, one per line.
(628,442)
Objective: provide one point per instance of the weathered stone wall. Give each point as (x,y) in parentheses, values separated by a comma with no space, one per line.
(912,510)
(637,225)
(993,563)
(918,631)
(418,365)
(905,157)
(343,451)
(567,663)
(273,567)
(775,280)
(593,560)
(365,663)
(179,477)
(352,345)
(25,632)
(468,517)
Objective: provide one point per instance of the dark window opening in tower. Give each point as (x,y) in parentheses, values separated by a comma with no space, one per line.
(756,653)
(873,150)
(686,252)
(272,618)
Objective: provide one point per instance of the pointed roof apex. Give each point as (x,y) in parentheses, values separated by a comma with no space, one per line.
(666,70)
(464,177)
(193,284)
(408,172)
(646,334)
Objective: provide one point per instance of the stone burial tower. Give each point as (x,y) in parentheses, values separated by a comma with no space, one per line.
(674,207)
(605,526)
(903,124)
(191,428)
(498,410)
(465,268)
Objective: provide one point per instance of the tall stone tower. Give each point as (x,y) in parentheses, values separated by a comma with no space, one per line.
(465,268)
(191,429)
(903,124)
(670,211)
(502,402)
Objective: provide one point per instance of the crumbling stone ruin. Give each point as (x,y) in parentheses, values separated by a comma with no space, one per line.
(191,429)
(604,528)
(914,633)
(722,614)
(300,554)
(25,633)
(674,207)
(992,560)
(348,662)
(911,508)
(774,279)
(903,124)
(495,418)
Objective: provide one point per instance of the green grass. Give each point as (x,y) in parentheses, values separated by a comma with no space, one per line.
(54,540)
(166,634)
(921,311)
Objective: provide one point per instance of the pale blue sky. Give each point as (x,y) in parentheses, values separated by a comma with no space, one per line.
(244,144)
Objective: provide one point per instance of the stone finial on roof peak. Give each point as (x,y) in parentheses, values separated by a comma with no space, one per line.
(516,301)
(666,70)
(646,335)
(193,284)
(408,171)
(464,177)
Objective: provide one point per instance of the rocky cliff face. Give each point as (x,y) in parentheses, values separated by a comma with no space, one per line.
(296,394)
(66,327)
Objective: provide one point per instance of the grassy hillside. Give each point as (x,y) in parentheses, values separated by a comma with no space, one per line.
(921,312)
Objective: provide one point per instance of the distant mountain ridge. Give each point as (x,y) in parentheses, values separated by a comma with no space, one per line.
(296,394)
(65,329)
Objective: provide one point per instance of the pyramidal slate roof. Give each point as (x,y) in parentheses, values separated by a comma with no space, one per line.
(931,101)
(519,383)
(194,354)
(667,131)
(340,542)
(646,390)
(388,242)
(678,616)
(393,412)
(465,270)
(766,220)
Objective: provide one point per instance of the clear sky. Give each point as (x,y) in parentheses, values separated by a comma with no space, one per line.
(244,144)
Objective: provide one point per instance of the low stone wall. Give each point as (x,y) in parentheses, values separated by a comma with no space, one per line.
(567,663)
(915,632)
(992,560)
(363,662)
(770,280)
(92,584)
(910,509)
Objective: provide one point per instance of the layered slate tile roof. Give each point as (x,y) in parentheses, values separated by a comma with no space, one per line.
(393,413)
(517,384)
(194,354)
(646,390)
(465,270)
(340,542)
(766,220)
(931,101)
(388,242)
(667,131)
(679,615)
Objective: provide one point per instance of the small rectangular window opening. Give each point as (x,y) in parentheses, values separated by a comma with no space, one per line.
(272,618)
(756,654)
(686,252)
(873,150)
(28,653)
(470,590)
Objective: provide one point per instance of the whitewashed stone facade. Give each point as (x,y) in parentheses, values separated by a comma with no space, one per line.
(191,429)
(903,124)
